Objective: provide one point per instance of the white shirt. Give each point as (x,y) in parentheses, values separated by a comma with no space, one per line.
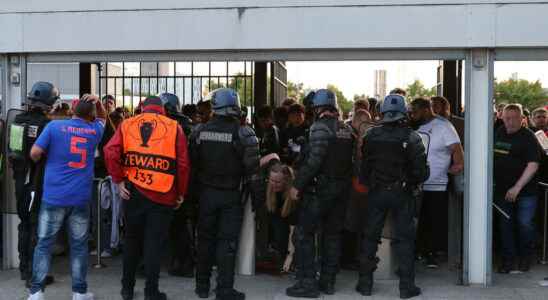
(438,135)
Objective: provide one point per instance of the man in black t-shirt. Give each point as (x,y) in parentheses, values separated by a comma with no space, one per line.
(515,164)
(294,135)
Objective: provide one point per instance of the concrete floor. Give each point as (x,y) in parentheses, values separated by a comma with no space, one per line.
(436,284)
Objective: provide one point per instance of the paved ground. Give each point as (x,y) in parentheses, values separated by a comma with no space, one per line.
(436,284)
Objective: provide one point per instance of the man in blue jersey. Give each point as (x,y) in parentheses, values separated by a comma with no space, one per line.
(68,147)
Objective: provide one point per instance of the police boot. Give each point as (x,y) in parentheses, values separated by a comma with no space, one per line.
(225,279)
(202,289)
(327,285)
(229,294)
(408,289)
(365,283)
(306,288)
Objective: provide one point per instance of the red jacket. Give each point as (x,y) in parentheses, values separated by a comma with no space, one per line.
(113,161)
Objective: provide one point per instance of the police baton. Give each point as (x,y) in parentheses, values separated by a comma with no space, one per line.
(31,200)
(100,182)
(501,211)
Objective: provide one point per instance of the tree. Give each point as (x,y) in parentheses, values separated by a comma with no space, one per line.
(417,89)
(241,84)
(362,96)
(529,94)
(344,104)
(295,90)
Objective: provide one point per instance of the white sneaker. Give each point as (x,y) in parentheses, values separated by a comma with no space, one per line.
(543,282)
(36,296)
(78,296)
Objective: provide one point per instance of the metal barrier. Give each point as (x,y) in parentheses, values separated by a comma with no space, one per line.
(545,226)
(100,181)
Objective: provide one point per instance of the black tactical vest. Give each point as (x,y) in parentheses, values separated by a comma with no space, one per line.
(387,156)
(220,151)
(24,131)
(339,160)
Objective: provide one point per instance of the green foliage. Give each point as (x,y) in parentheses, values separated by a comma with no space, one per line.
(344,104)
(529,94)
(296,90)
(358,97)
(241,84)
(417,89)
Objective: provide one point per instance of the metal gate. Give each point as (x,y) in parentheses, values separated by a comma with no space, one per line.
(131,82)
(278,82)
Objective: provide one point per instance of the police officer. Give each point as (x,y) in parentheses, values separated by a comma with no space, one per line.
(223,154)
(393,166)
(323,181)
(172,107)
(182,227)
(28,175)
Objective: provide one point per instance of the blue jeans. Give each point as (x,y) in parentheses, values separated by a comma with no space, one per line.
(521,213)
(50,220)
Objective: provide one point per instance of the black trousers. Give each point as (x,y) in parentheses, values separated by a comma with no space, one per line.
(402,207)
(279,227)
(433,222)
(147,227)
(181,235)
(323,209)
(28,223)
(219,224)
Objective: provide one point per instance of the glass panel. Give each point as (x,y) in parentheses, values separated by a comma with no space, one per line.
(183,69)
(127,87)
(188,90)
(110,86)
(103,86)
(163,85)
(135,93)
(145,83)
(180,89)
(218,68)
(115,69)
(103,69)
(222,82)
(248,68)
(201,69)
(131,69)
(118,92)
(166,69)
(196,90)
(171,86)
(236,67)
(149,69)
(153,87)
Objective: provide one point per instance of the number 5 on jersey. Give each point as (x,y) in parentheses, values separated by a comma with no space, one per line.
(74,141)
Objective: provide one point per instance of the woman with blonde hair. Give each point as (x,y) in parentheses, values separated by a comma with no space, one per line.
(281,210)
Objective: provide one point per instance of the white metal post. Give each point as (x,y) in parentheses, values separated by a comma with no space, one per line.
(14,89)
(478,167)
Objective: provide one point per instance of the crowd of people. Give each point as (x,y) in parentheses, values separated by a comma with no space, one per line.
(321,187)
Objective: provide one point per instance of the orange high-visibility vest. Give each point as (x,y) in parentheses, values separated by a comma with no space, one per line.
(150,159)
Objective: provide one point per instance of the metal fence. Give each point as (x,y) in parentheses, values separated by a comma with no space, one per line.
(131,82)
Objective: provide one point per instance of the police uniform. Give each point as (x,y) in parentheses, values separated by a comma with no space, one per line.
(28,176)
(223,154)
(393,166)
(181,232)
(324,180)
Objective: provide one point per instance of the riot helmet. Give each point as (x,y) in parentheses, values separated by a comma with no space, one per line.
(393,108)
(324,98)
(43,95)
(225,102)
(171,103)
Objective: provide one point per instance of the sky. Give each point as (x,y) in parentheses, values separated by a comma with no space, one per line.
(357,77)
